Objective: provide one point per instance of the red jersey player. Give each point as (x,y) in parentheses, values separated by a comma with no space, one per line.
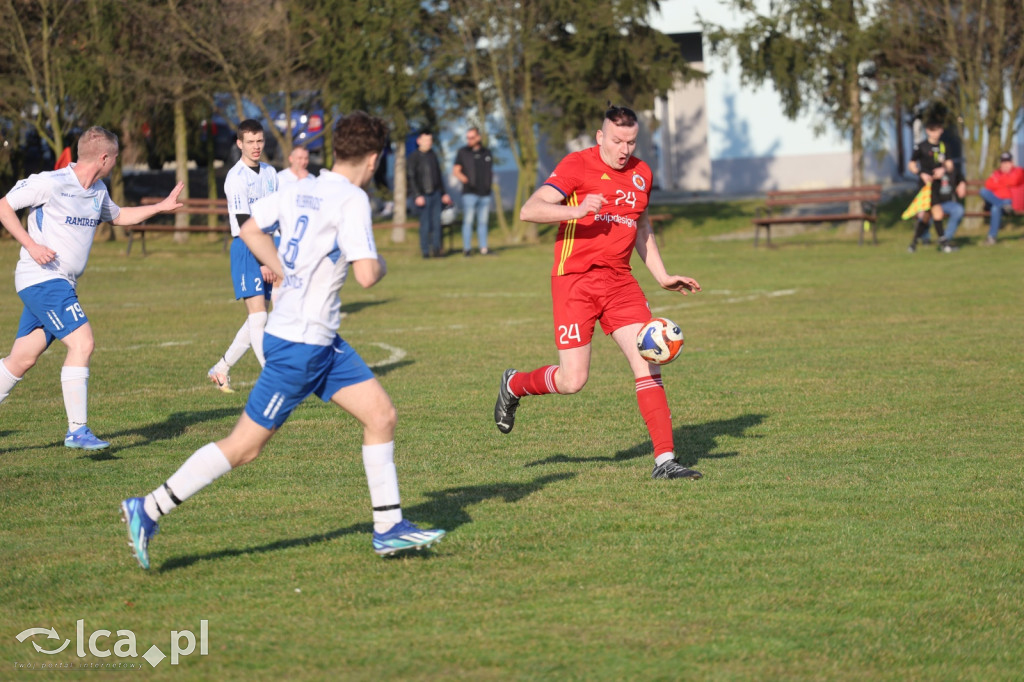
(599,196)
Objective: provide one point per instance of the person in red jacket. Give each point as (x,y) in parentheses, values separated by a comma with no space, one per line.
(999,190)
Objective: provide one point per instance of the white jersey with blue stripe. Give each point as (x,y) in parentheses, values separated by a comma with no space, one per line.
(243,186)
(64,216)
(325,225)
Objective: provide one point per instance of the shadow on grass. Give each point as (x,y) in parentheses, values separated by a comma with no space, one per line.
(353,308)
(175,425)
(172,427)
(693,443)
(447,508)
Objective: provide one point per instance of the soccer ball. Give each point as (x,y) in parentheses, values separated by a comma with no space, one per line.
(659,341)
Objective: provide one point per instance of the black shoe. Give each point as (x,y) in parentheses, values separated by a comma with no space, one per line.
(947,247)
(912,248)
(426,255)
(505,408)
(673,469)
(467,253)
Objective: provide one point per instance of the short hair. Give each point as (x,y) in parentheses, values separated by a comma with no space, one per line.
(620,116)
(95,141)
(358,135)
(933,124)
(249,125)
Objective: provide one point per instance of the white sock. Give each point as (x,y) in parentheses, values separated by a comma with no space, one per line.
(205,466)
(238,347)
(257,323)
(664,457)
(7,382)
(75,382)
(379,462)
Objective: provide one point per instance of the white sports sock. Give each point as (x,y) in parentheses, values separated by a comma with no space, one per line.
(7,382)
(664,457)
(379,463)
(257,323)
(75,382)
(205,466)
(238,347)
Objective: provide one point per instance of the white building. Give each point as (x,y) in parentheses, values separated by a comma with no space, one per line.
(719,137)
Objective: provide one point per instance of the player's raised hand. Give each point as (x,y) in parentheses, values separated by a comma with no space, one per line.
(171,202)
(591,203)
(683,285)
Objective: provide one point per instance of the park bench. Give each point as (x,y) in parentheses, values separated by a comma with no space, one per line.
(789,207)
(189,206)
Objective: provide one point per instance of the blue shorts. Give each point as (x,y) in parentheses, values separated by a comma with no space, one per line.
(245,272)
(53,306)
(295,370)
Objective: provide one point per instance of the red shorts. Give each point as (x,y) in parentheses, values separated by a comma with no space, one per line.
(611,297)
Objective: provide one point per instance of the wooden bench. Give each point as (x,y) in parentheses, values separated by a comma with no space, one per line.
(189,206)
(789,207)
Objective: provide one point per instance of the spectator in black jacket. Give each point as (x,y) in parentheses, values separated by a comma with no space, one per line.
(426,186)
(474,169)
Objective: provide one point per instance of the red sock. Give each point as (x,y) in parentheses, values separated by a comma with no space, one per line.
(650,396)
(538,382)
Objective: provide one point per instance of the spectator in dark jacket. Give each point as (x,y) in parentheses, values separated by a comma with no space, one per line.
(474,169)
(426,186)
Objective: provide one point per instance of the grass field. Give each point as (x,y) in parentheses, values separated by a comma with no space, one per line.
(856,413)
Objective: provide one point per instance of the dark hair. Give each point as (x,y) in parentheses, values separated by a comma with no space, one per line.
(249,125)
(358,135)
(620,116)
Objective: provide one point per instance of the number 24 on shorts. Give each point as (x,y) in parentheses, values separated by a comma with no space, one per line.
(568,333)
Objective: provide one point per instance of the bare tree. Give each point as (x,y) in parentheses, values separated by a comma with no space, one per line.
(545,71)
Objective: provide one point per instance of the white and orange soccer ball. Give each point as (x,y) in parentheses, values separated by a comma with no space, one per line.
(660,341)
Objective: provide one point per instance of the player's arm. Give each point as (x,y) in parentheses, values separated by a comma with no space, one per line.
(647,248)
(40,253)
(262,246)
(133,215)
(369,271)
(546,205)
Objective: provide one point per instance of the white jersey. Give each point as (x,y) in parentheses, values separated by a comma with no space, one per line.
(287,177)
(243,186)
(64,216)
(325,225)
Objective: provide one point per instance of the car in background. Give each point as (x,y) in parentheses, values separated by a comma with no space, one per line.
(307,128)
(307,119)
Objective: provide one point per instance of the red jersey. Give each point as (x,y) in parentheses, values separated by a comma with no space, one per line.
(606,238)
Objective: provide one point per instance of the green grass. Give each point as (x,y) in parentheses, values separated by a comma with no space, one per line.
(855,411)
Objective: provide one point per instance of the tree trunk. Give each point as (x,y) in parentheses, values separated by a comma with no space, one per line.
(401,191)
(181,165)
(856,141)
